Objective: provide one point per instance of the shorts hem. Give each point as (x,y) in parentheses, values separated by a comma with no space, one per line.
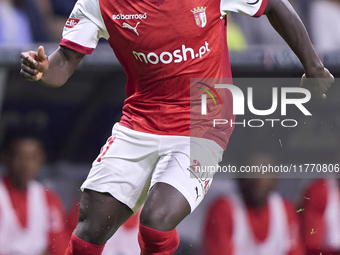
(182,190)
(123,199)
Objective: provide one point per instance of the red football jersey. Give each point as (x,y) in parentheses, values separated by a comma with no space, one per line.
(161,46)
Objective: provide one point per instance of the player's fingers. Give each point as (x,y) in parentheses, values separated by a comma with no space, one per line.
(33,64)
(303,80)
(29,70)
(24,55)
(329,78)
(323,96)
(317,94)
(30,53)
(315,90)
(41,66)
(29,61)
(42,60)
(329,82)
(323,87)
(329,75)
(27,76)
(321,93)
(41,53)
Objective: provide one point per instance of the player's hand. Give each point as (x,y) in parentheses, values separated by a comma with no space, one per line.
(318,84)
(34,64)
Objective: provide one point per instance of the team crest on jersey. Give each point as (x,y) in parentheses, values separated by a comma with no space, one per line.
(200,16)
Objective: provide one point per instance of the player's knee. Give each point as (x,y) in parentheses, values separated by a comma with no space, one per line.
(91,234)
(157,218)
(84,228)
(82,215)
(91,231)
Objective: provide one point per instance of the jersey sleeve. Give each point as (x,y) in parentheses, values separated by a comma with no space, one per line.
(254,8)
(84,27)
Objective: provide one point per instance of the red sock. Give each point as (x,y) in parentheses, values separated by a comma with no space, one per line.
(76,246)
(155,242)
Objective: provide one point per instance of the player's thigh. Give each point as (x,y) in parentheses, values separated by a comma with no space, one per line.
(164,208)
(124,167)
(117,184)
(100,215)
(176,188)
(187,166)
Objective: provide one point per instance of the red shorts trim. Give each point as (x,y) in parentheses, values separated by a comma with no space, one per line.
(260,12)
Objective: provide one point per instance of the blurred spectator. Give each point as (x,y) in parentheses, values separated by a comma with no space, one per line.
(63,7)
(258,32)
(27,21)
(321,217)
(14,24)
(325,20)
(53,21)
(32,220)
(124,241)
(255,221)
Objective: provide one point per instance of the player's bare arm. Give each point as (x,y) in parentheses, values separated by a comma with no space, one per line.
(51,71)
(287,23)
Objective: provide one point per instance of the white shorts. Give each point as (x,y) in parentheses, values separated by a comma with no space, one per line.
(131,162)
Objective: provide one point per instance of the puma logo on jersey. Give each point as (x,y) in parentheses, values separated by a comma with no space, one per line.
(197,195)
(126,25)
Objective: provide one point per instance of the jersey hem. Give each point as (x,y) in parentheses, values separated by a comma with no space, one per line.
(75,46)
(221,142)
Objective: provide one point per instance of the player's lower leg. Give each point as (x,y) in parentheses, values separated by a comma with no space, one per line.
(100,215)
(152,241)
(78,246)
(164,209)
